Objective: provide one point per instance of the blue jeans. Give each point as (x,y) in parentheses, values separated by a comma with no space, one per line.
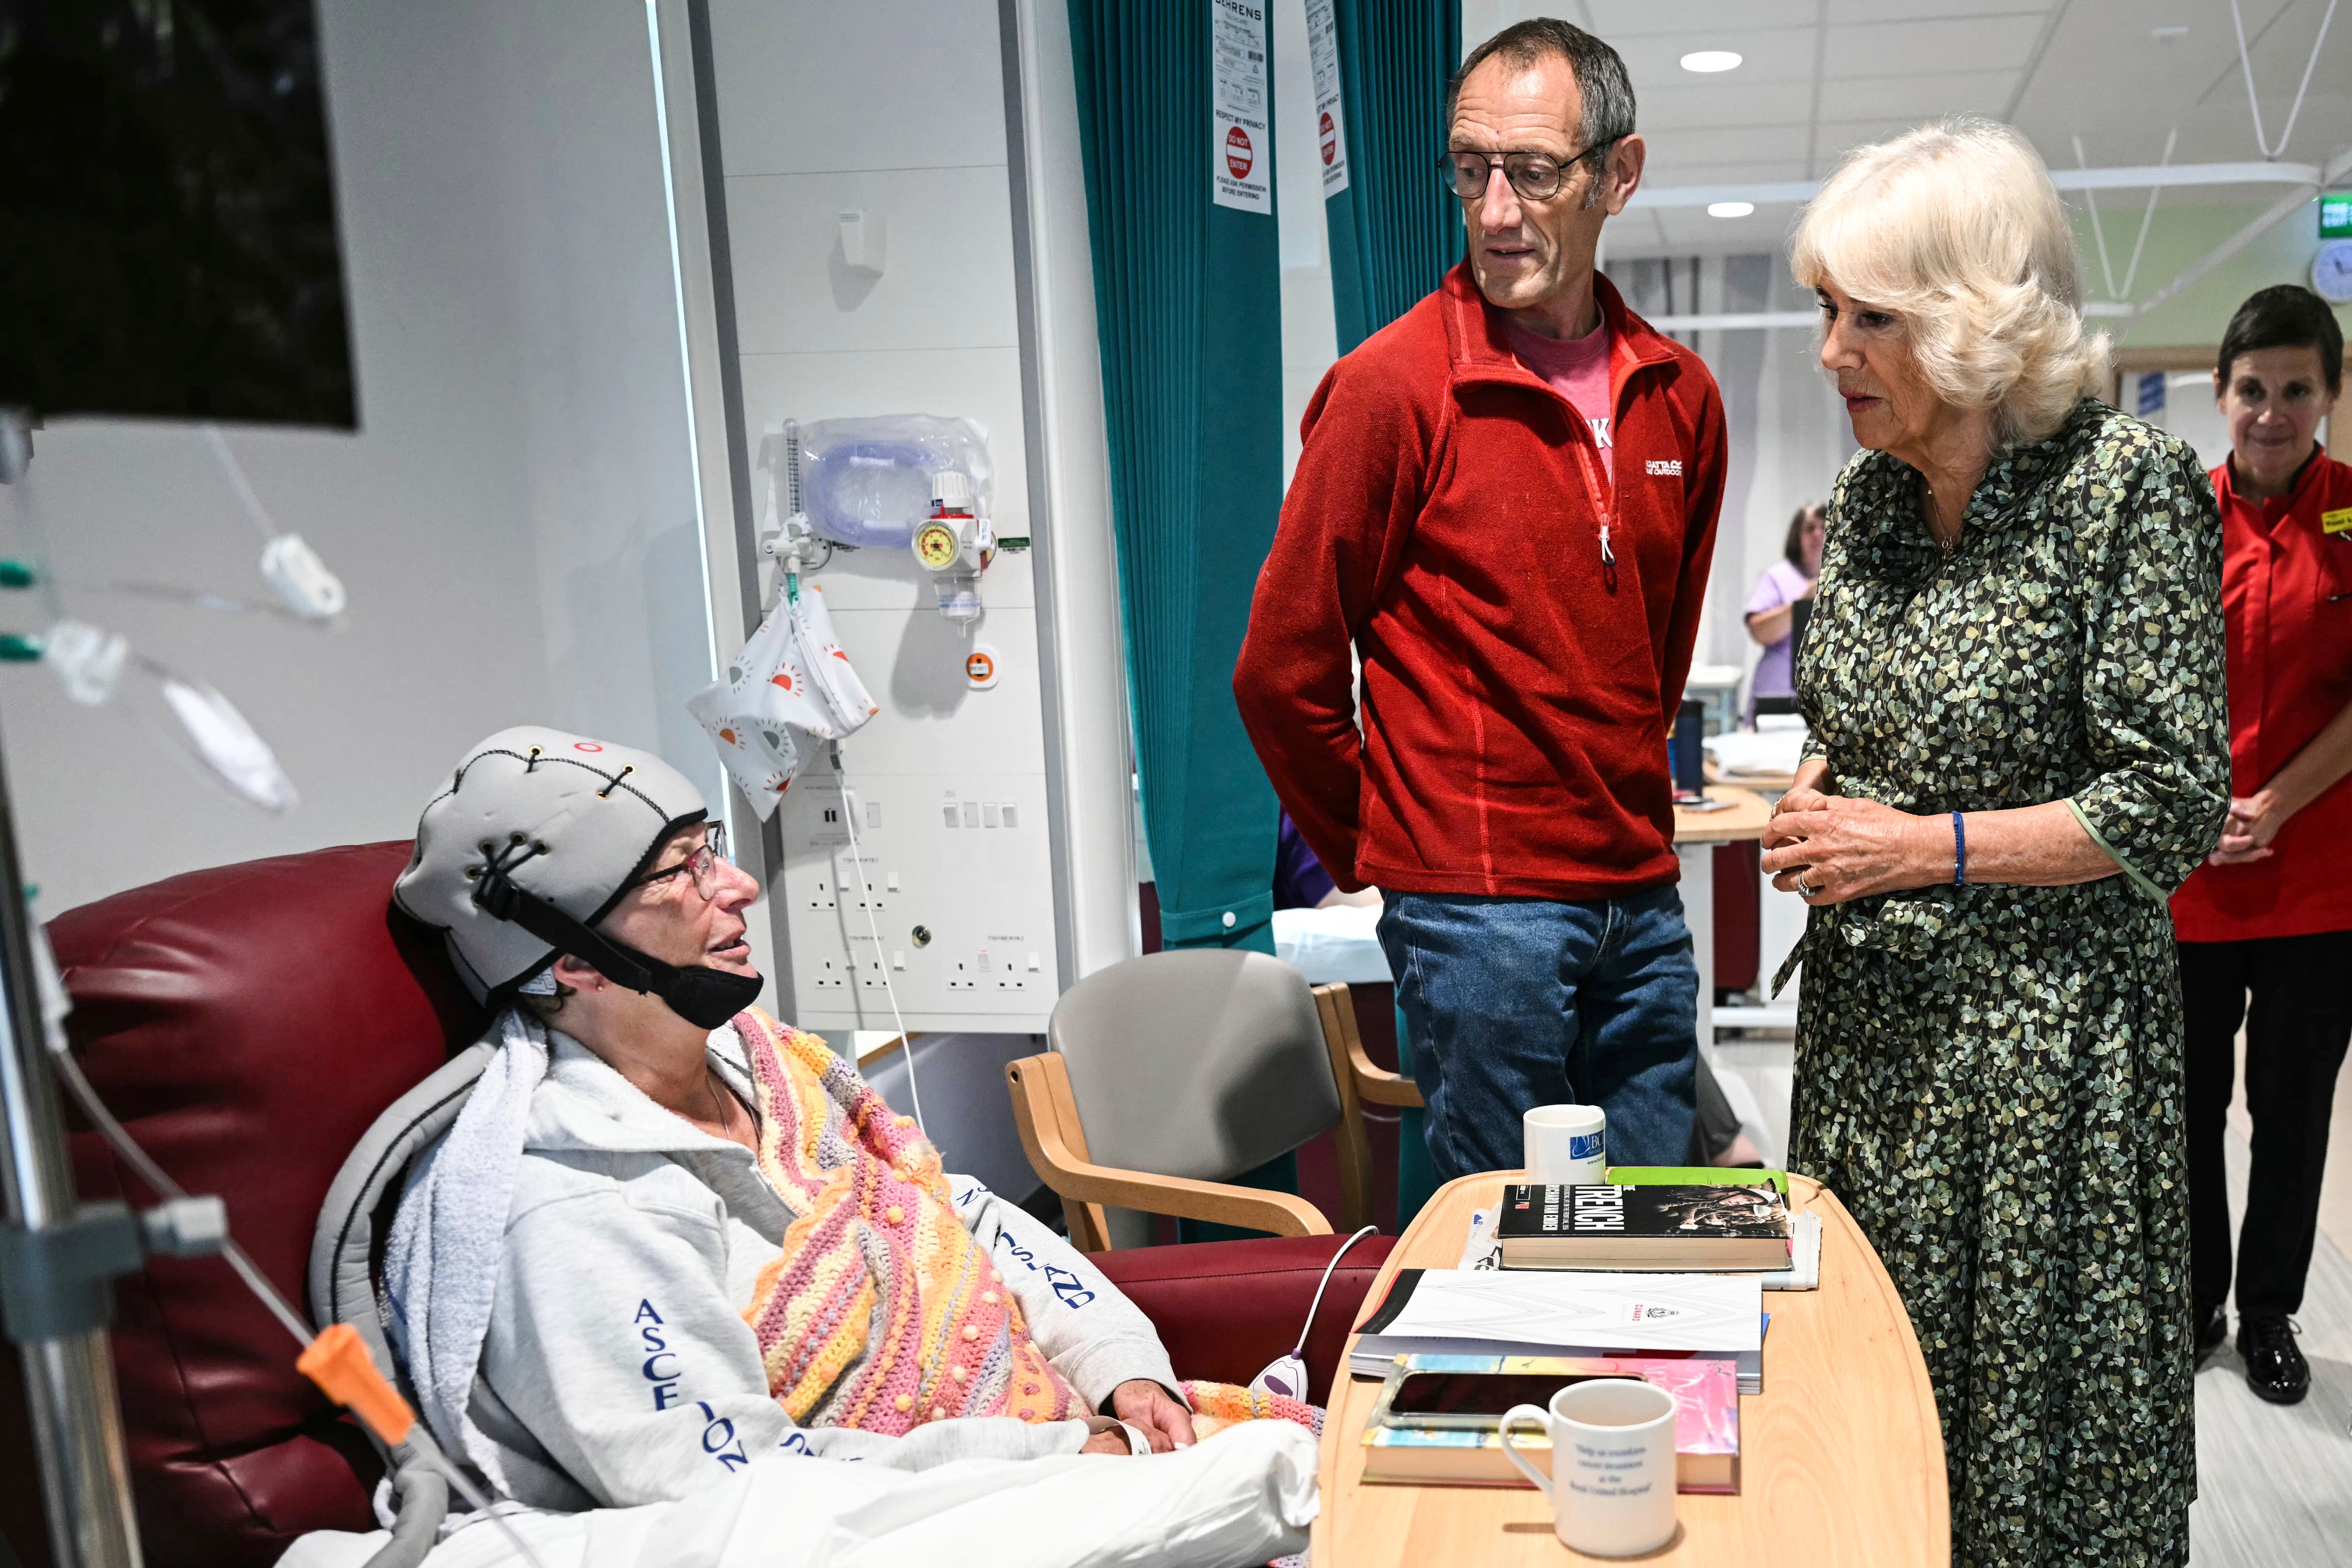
(1515,1002)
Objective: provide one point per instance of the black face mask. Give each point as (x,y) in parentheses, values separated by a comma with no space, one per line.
(703,996)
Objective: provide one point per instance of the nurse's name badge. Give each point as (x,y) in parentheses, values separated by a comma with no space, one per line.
(2336,521)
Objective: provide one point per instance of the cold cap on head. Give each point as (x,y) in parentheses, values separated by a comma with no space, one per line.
(572,819)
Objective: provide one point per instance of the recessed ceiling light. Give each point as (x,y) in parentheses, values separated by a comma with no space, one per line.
(1729,209)
(1711,61)
(2166,35)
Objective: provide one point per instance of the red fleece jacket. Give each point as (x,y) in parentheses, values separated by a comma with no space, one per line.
(1448,517)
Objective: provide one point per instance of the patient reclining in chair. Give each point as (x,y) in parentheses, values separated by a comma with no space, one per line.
(671,1245)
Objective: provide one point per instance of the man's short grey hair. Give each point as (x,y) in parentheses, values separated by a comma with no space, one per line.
(1601,78)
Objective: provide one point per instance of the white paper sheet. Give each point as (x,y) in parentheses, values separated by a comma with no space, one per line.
(1648,1311)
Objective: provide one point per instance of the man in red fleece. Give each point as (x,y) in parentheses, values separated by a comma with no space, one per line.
(1506,506)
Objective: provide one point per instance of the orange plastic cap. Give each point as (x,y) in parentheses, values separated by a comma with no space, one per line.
(338,1363)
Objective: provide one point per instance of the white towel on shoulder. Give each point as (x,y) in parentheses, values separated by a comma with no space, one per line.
(441,1260)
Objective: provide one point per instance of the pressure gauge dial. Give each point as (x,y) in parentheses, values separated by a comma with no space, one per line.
(936,546)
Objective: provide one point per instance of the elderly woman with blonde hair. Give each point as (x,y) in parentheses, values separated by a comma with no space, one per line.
(2019,746)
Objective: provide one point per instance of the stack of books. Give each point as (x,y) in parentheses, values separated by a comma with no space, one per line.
(1673,1229)
(1438,1420)
(1480,1312)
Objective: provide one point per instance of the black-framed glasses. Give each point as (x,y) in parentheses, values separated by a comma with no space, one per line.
(701,863)
(1536,177)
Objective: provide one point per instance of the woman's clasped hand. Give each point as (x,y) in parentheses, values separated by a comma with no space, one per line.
(1828,848)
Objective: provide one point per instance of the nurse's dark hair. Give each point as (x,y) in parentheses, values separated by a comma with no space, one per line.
(1601,78)
(2284,316)
(1794,549)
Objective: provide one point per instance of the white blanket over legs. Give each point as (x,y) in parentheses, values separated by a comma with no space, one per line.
(1243,1497)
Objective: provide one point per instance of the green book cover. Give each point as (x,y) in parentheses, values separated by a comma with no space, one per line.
(1697,1176)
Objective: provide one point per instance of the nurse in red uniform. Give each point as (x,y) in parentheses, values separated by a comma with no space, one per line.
(2265,925)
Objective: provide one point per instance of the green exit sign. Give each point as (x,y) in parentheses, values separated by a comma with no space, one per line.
(2336,215)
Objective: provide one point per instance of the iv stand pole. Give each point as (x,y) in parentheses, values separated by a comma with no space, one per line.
(77,1417)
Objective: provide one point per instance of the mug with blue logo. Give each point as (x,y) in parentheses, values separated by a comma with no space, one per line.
(1567,1145)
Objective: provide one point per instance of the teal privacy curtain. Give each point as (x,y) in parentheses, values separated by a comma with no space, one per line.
(1394,231)
(1175,117)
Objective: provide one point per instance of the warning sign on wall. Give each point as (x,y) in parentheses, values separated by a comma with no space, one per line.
(1241,167)
(1330,122)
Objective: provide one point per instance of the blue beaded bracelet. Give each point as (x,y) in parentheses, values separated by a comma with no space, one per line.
(1959,852)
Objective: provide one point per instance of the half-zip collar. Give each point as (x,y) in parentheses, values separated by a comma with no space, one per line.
(1479,344)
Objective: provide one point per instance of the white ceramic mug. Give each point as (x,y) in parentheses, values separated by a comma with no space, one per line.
(1612,1465)
(1566,1145)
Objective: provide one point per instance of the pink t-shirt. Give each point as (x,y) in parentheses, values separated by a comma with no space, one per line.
(1578,369)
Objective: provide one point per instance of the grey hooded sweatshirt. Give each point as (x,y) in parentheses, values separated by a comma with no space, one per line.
(618,1370)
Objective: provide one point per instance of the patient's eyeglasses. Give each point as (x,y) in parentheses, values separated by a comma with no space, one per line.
(1536,177)
(701,863)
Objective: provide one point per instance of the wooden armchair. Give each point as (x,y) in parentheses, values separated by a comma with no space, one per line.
(1193,1066)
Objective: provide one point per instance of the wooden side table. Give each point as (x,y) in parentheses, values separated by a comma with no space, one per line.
(1841,1461)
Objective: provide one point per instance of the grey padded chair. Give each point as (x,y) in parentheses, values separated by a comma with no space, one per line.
(1188,1068)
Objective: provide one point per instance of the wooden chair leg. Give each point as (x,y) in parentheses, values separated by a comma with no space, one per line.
(1355,1149)
(1089,1226)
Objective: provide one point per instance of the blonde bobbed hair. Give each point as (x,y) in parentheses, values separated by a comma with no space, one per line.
(1955,228)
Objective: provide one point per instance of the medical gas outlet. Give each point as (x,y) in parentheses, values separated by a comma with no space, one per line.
(955,544)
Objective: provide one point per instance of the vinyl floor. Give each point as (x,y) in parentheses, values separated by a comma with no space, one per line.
(2274,1484)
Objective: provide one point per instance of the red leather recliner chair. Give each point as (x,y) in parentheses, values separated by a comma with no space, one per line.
(248,1023)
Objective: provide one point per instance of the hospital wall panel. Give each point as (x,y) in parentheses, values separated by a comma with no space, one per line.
(807,88)
(933,720)
(901,113)
(983,383)
(946,279)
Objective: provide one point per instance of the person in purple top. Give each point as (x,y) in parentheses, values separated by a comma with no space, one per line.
(1301,883)
(1771,609)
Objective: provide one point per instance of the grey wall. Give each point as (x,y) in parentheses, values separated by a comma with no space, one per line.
(515,520)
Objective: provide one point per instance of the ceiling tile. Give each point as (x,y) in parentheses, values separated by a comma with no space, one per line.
(1905,48)
(1782,55)
(1840,137)
(1618,19)
(1920,98)
(1725,103)
(1776,171)
(1676,147)
(1845,11)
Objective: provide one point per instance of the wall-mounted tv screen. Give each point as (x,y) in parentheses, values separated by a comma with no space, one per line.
(167,216)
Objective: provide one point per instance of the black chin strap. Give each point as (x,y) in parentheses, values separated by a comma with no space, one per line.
(703,996)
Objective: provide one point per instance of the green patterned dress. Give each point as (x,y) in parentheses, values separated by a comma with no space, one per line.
(1991,1077)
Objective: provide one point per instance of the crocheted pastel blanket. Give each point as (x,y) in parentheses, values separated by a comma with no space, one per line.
(883,1311)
